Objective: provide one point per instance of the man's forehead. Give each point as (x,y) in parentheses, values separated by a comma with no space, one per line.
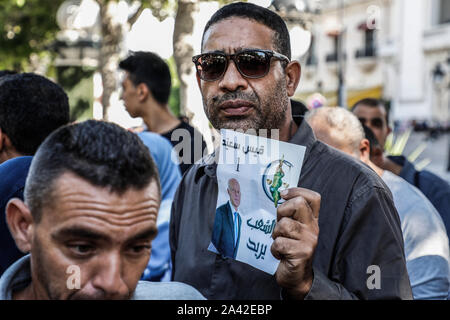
(363,108)
(237,33)
(70,189)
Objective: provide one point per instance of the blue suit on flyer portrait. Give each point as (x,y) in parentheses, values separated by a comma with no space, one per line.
(227,223)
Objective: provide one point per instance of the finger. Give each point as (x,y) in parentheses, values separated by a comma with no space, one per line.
(285,248)
(312,198)
(288,228)
(296,208)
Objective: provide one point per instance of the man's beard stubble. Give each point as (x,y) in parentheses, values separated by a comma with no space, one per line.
(269,114)
(42,271)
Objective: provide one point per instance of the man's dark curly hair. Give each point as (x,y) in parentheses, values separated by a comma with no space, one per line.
(31,107)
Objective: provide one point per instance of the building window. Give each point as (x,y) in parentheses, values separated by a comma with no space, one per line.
(312,57)
(333,56)
(444,12)
(369,49)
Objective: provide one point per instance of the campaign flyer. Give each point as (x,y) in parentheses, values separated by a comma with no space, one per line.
(251,173)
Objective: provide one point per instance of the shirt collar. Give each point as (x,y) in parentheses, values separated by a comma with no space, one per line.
(16,277)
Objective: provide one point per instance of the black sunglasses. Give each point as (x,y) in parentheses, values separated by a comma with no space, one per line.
(252,63)
(375,122)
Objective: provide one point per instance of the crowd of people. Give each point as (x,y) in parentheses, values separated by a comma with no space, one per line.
(90,210)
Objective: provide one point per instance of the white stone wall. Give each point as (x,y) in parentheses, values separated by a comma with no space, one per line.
(410,42)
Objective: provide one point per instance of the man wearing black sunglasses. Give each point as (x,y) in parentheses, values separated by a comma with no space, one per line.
(374,115)
(246,76)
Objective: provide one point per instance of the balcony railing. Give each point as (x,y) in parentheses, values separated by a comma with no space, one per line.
(366,52)
(333,57)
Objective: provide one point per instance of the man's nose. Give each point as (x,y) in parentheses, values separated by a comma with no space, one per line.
(232,79)
(109,277)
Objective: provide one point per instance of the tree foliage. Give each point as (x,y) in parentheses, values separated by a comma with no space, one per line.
(26,27)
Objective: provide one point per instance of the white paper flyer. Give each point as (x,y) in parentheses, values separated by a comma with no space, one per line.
(251,173)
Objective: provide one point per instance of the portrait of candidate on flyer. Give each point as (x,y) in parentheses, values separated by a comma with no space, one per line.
(227,224)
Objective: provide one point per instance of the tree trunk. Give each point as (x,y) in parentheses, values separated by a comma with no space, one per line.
(112,35)
(190,98)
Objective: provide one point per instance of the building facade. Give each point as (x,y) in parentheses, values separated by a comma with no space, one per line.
(396,50)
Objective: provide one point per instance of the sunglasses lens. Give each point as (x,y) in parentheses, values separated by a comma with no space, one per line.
(377,122)
(211,66)
(253,64)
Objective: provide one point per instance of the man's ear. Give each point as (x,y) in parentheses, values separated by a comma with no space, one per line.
(293,72)
(7,150)
(20,223)
(389,129)
(143,92)
(364,150)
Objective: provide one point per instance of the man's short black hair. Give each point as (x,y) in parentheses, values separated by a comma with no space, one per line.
(374,103)
(99,152)
(281,40)
(31,107)
(6,72)
(151,69)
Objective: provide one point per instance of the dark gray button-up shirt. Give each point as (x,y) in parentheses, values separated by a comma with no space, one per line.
(359,233)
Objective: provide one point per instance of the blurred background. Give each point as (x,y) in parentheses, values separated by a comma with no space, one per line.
(394,50)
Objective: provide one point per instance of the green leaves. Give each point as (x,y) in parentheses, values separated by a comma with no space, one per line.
(26,27)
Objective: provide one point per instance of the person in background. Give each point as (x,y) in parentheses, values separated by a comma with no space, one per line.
(159,267)
(374,115)
(31,107)
(145,93)
(425,238)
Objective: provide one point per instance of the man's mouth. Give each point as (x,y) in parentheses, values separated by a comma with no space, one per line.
(236,108)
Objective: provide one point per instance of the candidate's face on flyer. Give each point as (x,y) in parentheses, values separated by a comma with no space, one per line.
(234,101)
(234,190)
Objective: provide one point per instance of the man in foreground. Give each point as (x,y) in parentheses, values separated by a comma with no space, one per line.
(425,238)
(246,78)
(89,216)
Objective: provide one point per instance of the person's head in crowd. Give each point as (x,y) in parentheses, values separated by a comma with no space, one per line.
(147,83)
(31,107)
(91,202)
(246,79)
(6,72)
(372,113)
(341,129)
(335,127)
